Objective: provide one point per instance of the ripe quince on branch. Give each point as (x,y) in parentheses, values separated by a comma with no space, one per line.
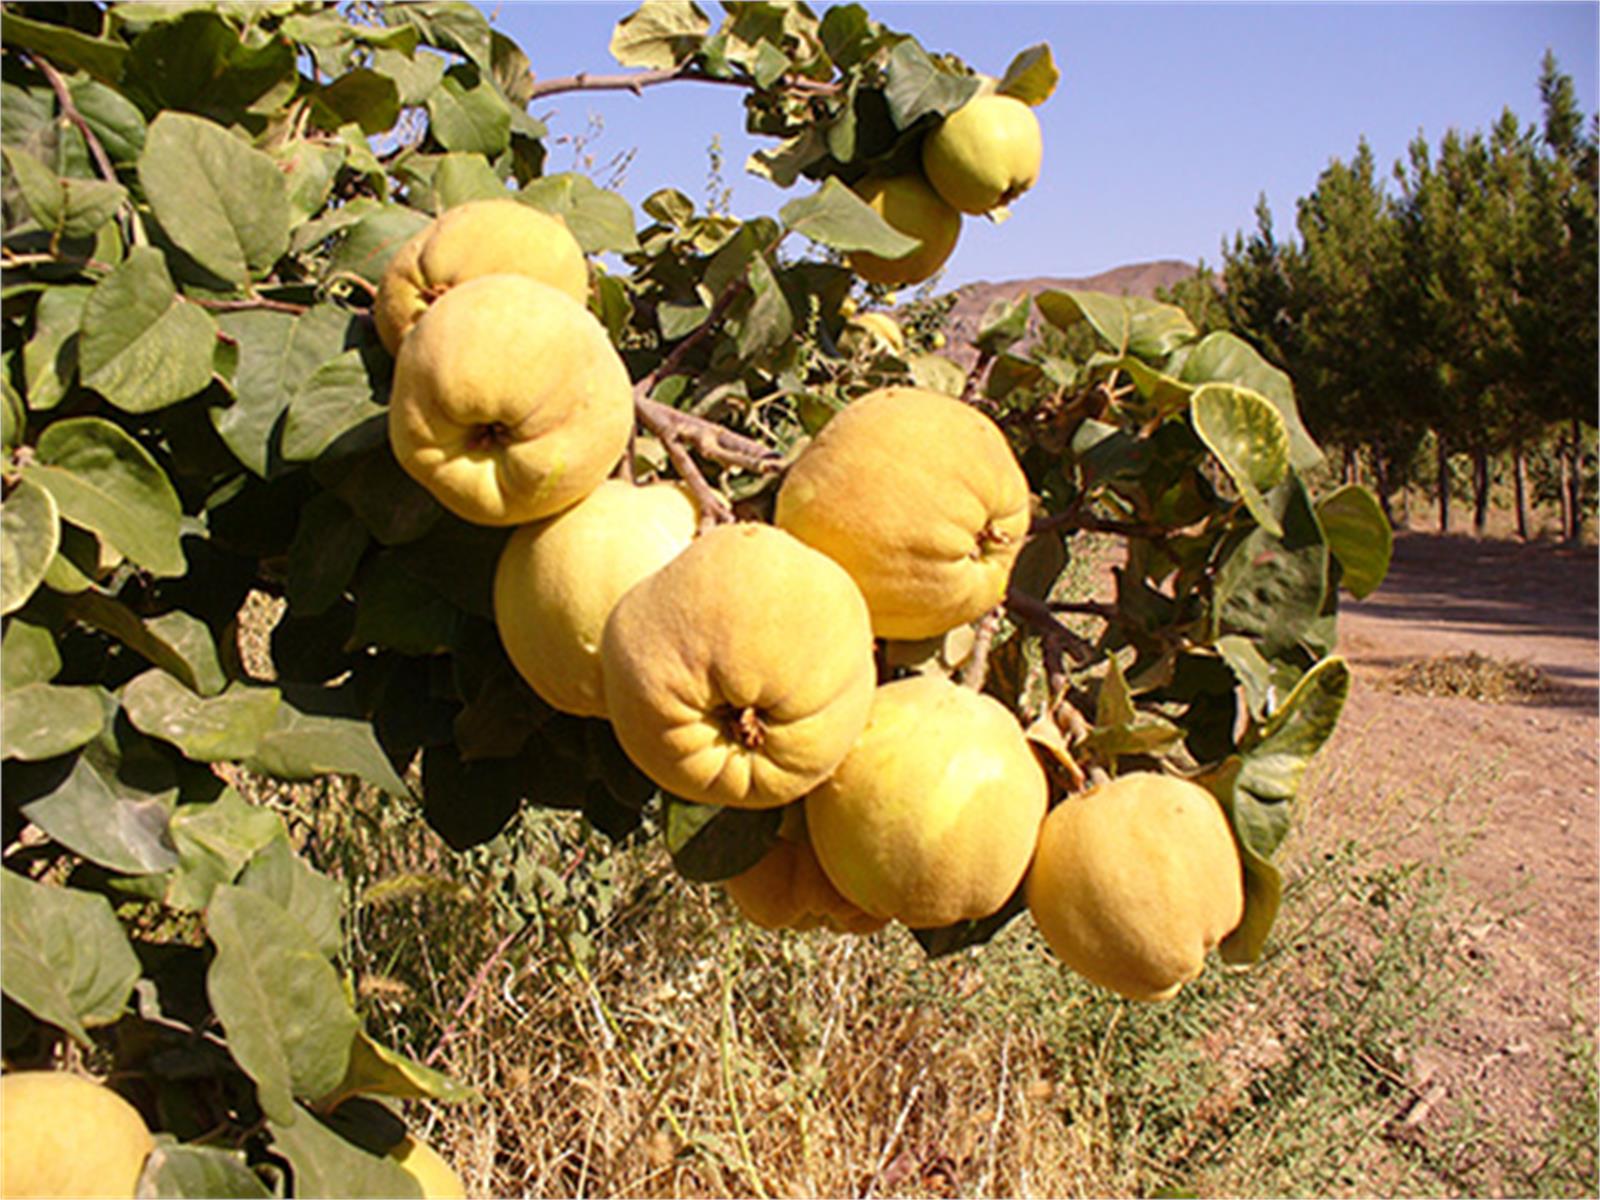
(63,1135)
(509,403)
(913,208)
(985,154)
(481,237)
(742,671)
(436,1177)
(558,580)
(920,498)
(1135,881)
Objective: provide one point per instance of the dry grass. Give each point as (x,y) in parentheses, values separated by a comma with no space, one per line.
(1472,675)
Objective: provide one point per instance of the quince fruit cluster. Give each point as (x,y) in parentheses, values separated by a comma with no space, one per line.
(738,666)
(978,159)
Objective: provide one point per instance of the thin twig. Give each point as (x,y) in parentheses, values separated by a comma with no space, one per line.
(637,81)
(1075,520)
(283,306)
(478,981)
(971,391)
(976,670)
(1037,613)
(58,85)
(1087,608)
(10,259)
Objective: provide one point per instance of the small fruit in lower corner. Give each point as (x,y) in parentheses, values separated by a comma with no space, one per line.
(558,580)
(1135,881)
(933,816)
(63,1135)
(985,154)
(481,237)
(741,672)
(509,402)
(913,208)
(427,1166)
(788,889)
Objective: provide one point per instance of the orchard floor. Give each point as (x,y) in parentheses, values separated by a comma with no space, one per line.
(1506,792)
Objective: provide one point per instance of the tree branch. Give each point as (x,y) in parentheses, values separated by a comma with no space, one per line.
(1037,614)
(1075,520)
(58,85)
(976,671)
(637,81)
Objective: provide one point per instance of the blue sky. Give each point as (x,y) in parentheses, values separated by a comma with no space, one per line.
(1171,119)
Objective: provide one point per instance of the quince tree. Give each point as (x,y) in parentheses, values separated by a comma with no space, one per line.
(299,322)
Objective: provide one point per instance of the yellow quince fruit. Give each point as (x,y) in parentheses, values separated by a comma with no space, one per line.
(787,889)
(558,580)
(920,498)
(1135,881)
(933,815)
(509,403)
(63,1135)
(481,237)
(913,208)
(985,154)
(741,672)
(880,331)
(427,1166)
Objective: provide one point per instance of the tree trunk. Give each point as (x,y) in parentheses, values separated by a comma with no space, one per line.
(1480,491)
(1519,487)
(1566,492)
(1349,471)
(1444,487)
(1380,483)
(1574,480)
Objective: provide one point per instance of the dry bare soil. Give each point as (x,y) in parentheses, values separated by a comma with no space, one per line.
(1505,791)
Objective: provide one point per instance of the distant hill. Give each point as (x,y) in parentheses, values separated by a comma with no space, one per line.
(1135,279)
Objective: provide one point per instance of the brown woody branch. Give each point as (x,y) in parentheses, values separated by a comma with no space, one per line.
(58,85)
(1075,520)
(976,671)
(1037,613)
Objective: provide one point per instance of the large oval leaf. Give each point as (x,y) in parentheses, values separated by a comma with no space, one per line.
(221,200)
(1249,438)
(105,481)
(43,720)
(141,346)
(1359,536)
(29,534)
(207,729)
(288,1022)
(64,956)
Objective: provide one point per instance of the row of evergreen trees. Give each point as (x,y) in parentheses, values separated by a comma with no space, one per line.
(1456,310)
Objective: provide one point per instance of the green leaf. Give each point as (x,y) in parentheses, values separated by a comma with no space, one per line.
(304,745)
(278,352)
(64,956)
(96,815)
(214,841)
(207,729)
(468,803)
(332,401)
(327,548)
(1223,357)
(466,114)
(178,642)
(1254,825)
(947,939)
(398,611)
(937,373)
(363,96)
(279,1000)
(141,345)
(659,35)
(601,220)
(43,720)
(1276,760)
(105,481)
(314,901)
(918,86)
(64,46)
(376,1070)
(1248,437)
(28,654)
(372,241)
(767,322)
(1359,536)
(179,1170)
(30,532)
(199,63)
(462,177)
(329,1166)
(50,359)
(115,119)
(836,217)
(1128,324)
(1273,587)
(1254,673)
(221,200)
(1004,324)
(393,506)
(1032,76)
(64,207)
(709,844)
